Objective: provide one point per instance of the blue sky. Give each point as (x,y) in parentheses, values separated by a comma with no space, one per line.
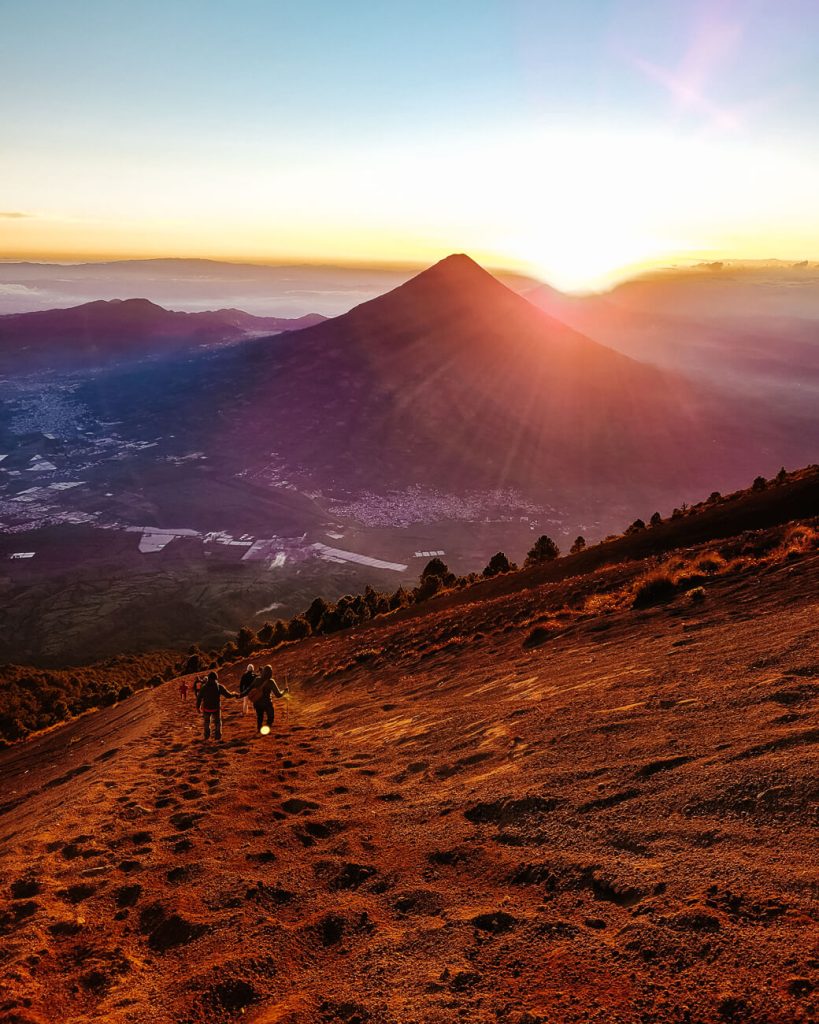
(145,126)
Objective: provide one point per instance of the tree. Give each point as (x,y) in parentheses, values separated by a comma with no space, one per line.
(315,612)
(781,476)
(656,519)
(435,567)
(714,497)
(543,550)
(499,563)
(578,546)
(266,633)
(245,641)
(299,628)
(760,484)
(636,527)
(428,586)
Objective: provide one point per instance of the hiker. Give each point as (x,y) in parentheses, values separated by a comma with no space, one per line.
(209,700)
(246,684)
(183,689)
(261,697)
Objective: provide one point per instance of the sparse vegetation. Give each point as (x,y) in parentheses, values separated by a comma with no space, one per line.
(654,588)
(35,699)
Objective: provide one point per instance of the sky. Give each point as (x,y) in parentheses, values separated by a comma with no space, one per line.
(576,141)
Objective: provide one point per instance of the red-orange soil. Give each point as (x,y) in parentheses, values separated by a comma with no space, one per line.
(616,826)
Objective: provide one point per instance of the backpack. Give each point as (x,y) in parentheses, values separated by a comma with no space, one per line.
(256,694)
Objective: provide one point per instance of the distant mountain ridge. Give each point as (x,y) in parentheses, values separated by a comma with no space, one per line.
(103,331)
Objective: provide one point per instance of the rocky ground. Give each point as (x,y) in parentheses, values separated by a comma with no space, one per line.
(615,826)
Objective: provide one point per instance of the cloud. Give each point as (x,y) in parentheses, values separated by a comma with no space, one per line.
(13,214)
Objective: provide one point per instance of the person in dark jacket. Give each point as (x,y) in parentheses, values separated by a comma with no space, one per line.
(209,702)
(262,697)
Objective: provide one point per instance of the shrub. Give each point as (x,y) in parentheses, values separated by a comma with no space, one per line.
(710,562)
(543,550)
(697,595)
(539,635)
(656,519)
(759,484)
(578,546)
(714,497)
(636,527)
(655,588)
(781,476)
(368,654)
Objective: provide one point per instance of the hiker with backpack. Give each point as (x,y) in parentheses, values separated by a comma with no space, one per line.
(261,697)
(209,702)
(246,684)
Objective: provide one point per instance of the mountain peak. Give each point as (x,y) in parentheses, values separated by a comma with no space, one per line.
(456,283)
(456,268)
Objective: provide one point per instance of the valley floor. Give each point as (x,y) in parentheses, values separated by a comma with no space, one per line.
(618,826)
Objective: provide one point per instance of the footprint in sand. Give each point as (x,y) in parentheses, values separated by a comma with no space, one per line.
(127,895)
(129,866)
(25,888)
(296,805)
(77,893)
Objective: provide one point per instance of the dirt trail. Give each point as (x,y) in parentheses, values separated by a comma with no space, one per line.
(614,827)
